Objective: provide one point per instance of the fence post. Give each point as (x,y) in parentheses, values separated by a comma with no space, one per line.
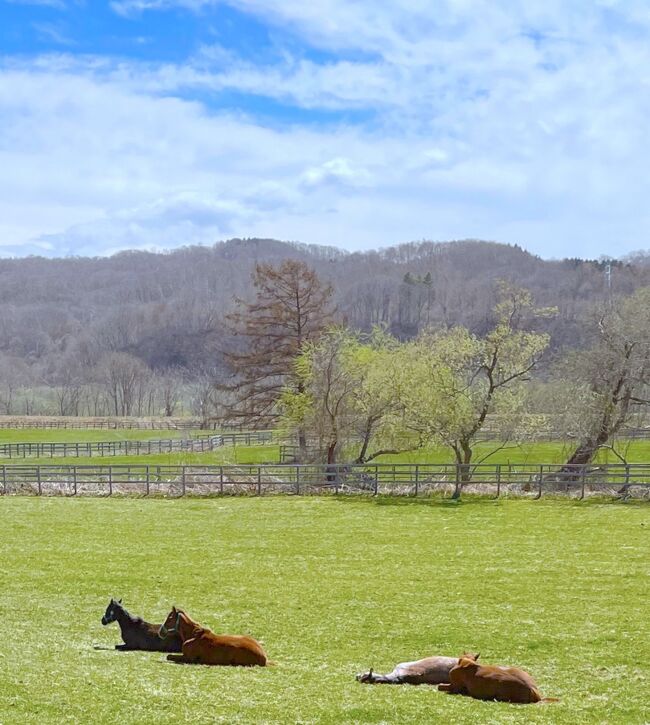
(38,475)
(183,482)
(582,477)
(298,480)
(221,480)
(259,480)
(498,479)
(4,479)
(74,480)
(147,480)
(110,481)
(417,478)
(376,491)
(541,479)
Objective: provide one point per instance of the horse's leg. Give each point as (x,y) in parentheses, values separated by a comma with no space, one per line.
(375,678)
(192,650)
(123,647)
(453,689)
(188,656)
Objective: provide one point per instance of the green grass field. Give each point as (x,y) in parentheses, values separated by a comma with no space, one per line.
(331,586)
(538,452)
(225,455)
(74,435)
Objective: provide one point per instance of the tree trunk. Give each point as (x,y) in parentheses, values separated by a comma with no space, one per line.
(302,445)
(588,448)
(463,473)
(361,458)
(331,462)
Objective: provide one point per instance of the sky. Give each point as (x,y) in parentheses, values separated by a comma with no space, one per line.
(154,124)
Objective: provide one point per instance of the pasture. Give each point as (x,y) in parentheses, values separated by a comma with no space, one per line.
(634,451)
(331,586)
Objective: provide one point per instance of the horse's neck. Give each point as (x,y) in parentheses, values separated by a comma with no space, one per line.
(189,628)
(124,619)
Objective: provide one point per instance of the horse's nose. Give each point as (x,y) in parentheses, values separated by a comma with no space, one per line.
(104,622)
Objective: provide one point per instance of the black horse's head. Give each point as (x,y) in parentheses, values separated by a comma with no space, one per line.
(110,615)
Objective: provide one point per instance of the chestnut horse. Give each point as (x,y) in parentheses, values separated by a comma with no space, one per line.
(429,671)
(204,647)
(487,682)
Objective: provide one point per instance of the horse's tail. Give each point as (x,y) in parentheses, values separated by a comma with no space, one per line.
(271,663)
(550,699)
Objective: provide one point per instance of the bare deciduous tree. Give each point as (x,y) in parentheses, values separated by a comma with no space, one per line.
(291,307)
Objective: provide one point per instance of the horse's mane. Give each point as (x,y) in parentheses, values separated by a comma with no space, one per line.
(189,620)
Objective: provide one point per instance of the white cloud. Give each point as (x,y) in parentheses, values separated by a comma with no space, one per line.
(337,171)
(161,224)
(519,121)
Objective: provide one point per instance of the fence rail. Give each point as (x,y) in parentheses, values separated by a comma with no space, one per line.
(531,480)
(102,424)
(198,444)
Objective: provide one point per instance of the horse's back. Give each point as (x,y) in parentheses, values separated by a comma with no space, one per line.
(504,683)
(235,649)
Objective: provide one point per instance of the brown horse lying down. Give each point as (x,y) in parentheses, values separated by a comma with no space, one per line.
(429,671)
(202,646)
(487,682)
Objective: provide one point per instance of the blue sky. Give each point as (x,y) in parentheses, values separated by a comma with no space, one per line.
(152,124)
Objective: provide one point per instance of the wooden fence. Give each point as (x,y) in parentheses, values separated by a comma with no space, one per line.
(531,480)
(90,449)
(102,423)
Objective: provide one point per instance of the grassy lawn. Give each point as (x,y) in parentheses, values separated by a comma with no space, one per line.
(331,587)
(74,435)
(637,451)
(225,455)
(544,452)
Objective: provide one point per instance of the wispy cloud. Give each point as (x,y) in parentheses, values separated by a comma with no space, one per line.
(55,32)
(516,121)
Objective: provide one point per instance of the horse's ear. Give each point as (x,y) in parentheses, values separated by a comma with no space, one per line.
(119,602)
(174,609)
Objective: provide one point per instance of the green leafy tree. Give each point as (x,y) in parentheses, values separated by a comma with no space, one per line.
(349,398)
(609,381)
(454,382)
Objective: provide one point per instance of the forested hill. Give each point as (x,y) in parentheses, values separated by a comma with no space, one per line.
(167,309)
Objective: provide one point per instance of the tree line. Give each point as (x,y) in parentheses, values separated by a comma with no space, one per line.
(354,395)
(150,334)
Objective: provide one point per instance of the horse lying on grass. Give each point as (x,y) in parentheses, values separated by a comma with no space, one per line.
(202,646)
(429,671)
(488,682)
(136,633)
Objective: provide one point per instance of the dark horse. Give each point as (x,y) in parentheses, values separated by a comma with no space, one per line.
(138,634)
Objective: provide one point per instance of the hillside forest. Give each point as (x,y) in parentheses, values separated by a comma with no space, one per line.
(153,334)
